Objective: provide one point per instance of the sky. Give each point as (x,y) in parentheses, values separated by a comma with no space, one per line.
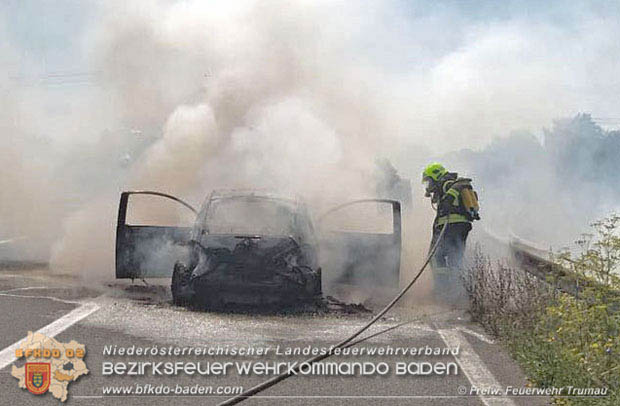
(567,45)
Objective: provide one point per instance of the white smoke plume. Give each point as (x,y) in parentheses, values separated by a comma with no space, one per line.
(294,96)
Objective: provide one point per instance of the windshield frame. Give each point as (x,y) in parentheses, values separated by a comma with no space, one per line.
(203,222)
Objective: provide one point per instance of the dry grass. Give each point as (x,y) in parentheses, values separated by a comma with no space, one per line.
(501,294)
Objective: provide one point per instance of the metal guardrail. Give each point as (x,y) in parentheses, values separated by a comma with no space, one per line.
(537,263)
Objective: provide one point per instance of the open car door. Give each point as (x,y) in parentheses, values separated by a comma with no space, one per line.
(361,244)
(148,249)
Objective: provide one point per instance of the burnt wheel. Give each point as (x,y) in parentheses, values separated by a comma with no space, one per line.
(182,294)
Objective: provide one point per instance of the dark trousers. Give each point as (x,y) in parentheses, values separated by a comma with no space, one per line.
(447,263)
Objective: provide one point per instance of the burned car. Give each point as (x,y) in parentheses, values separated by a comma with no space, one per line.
(251,248)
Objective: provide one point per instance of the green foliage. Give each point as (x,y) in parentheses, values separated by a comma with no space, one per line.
(599,255)
(572,342)
(563,340)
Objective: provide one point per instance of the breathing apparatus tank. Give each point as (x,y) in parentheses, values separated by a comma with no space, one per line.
(469,197)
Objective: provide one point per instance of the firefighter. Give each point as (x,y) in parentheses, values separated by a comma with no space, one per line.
(457,205)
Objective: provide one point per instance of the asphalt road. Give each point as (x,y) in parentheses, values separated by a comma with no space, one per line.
(127,315)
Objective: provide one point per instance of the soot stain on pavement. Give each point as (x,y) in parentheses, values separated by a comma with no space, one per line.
(158,295)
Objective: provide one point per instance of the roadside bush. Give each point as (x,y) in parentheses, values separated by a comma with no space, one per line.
(560,340)
(502,297)
(598,255)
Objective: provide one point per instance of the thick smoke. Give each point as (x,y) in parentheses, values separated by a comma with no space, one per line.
(301,97)
(249,113)
(546,190)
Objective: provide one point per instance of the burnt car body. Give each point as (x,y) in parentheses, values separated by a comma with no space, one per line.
(251,248)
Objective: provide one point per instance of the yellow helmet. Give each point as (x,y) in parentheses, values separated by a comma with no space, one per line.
(433,171)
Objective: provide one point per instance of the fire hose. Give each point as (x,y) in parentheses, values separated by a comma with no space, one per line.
(347,342)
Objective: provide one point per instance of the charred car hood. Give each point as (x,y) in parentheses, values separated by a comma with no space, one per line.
(258,243)
(253,257)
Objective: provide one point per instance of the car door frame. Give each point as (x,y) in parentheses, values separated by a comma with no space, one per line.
(124,231)
(396,228)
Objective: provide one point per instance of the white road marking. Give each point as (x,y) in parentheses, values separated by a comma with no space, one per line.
(23,276)
(26,288)
(55,299)
(12,240)
(7,355)
(473,367)
(479,336)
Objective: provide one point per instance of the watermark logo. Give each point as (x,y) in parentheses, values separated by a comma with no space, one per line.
(50,365)
(38,377)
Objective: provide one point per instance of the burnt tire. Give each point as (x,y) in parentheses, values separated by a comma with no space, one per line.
(182,294)
(318,283)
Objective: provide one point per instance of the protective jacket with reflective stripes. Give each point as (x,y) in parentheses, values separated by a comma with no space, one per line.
(450,208)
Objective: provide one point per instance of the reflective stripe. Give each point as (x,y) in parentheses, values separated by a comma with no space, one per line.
(447,185)
(454,193)
(452,218)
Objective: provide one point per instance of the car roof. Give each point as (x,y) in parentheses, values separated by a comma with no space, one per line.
(253,193)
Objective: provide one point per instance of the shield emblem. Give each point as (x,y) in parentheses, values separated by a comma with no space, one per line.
(38,377)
